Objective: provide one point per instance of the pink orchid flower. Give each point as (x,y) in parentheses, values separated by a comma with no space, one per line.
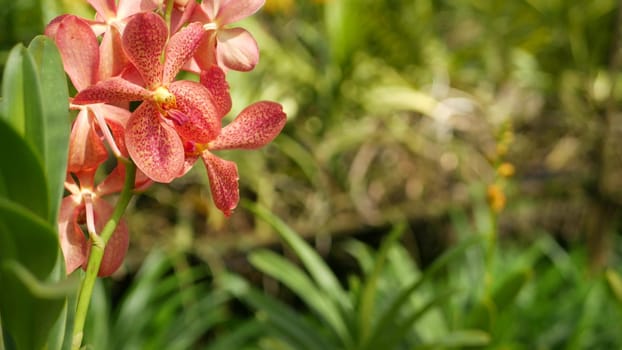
(256,126)
(230,48)
(110,21)
(170,109)
(85,206)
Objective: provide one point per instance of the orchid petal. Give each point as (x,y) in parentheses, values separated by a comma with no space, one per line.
(194,100)
(105,8)
(223,181)
(112,90)
(116,247)
(112,121)
(71,185)
(114,182)
(143,40)
(254,127)
(72,240)
(154,146)
(86,149)
(234,10)
(52,28)
(191,159)
(112,57)
(180,49)
(216,83)
(205,55)
(206,12)
(79,50)
(182,14)
(237,49)
(127,8)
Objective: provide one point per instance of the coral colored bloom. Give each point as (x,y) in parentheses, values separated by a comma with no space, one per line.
(256,126)
(85,206)
(235,48)
(170,108)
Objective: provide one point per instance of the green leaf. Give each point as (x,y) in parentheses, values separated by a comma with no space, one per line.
(502,297)
(21,176)
(460,339)
(367,301)
(27,239)
(22,97)
(28,250)
(27,318)
(55,116)
(278,317)
(296,280)
(318,269)
(614,282)
(386,319)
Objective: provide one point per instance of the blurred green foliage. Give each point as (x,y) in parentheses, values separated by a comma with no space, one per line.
(399,111)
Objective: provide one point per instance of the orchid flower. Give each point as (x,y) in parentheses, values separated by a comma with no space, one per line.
(170,109)
(230,48)
(85,206)
(110,21)
(256,126)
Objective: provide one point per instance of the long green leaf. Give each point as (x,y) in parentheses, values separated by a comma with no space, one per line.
(28,249)
(296,280)
(367,301)
(392,312)
(22,97)
(278,317)
(55,116)
(318,269)
(21,176)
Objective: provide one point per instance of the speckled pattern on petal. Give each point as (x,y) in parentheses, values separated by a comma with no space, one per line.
(180,49)
(215,81)
(112,90)
(223,182)
(192,96)
(254,127)
(143,40)
(154,146)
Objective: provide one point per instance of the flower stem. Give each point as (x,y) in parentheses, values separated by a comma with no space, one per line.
(97,253)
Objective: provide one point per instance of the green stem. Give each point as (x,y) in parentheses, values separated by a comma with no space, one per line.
(97,253)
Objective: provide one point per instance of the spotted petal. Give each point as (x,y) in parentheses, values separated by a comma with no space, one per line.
(154,146)
(112,90)
(180,49)
(237,49)
(214,80)
(254,127)
(143,40)
(194,100)
(223,181)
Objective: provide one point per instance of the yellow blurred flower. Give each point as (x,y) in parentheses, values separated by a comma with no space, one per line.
(506,169)
(496,198)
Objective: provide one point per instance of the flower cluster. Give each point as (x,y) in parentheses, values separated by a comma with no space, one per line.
(124,65)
